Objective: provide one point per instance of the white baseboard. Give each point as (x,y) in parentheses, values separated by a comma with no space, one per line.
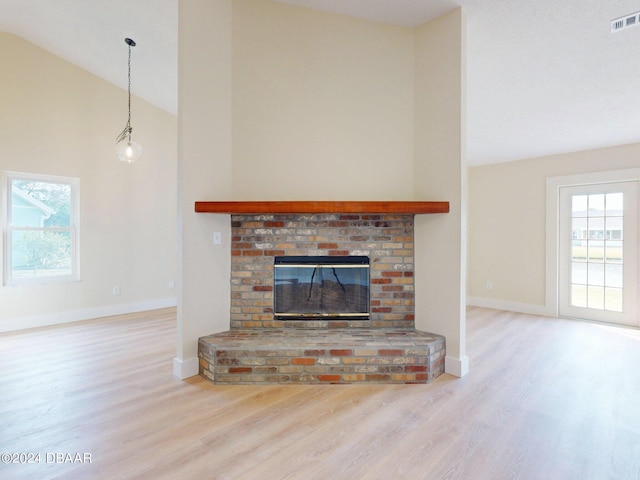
(458,367)
(185,368)
(47,319)
(511,306)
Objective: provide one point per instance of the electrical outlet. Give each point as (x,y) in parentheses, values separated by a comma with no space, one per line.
(488,285)
(217,238)
(116,290)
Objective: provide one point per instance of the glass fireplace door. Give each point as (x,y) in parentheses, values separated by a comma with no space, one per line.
(310,287)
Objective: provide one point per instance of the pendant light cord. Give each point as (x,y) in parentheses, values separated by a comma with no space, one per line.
(126,133)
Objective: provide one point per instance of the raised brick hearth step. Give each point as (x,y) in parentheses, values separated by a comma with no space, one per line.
(321,356)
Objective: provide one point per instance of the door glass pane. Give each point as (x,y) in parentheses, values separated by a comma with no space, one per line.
(579,273)
(613,228)
(613,251)
(596,204)
(595,297)
(579,205)
(596,228)
(596,274)
(613,275)
(579,295)
(579,250)
(579,228)
(614,204)
(613,299)
(596,251)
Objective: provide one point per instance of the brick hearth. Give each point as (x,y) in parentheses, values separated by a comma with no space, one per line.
(322,356)
(386,348)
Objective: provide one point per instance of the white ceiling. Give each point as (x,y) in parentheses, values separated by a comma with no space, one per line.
(543,76)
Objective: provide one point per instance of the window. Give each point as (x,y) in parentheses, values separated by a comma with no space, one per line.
(40,228)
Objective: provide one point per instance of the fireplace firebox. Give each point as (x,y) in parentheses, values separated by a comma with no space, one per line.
(321,287)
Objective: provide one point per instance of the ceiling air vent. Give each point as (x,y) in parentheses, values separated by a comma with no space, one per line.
(625,22)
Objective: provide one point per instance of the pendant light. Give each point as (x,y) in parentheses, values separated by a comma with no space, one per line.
(128,151)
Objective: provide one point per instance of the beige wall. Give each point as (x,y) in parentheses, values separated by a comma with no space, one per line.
(58,119)
(322,105)
(204,173)
(507,223)
(440,246)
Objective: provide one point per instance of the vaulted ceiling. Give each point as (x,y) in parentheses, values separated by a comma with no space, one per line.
(543,77)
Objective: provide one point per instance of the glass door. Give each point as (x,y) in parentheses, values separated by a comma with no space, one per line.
(598,252)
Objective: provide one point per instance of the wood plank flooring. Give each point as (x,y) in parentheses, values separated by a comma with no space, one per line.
(545,399)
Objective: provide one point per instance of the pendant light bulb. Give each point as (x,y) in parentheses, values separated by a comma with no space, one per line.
(129,151)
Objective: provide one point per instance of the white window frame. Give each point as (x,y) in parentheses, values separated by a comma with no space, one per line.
(8,229)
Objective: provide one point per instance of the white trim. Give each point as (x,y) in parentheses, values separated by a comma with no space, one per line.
(185,368)
(47,319)
(458,367)
(526,308)
(553,189)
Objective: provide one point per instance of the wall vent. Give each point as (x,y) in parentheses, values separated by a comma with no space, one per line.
(625,22)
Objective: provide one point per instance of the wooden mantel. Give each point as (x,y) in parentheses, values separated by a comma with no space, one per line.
(293,207)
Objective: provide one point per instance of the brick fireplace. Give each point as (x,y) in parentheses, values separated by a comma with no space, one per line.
(386,239)
(259,348)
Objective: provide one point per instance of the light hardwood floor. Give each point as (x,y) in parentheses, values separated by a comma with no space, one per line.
(545,399)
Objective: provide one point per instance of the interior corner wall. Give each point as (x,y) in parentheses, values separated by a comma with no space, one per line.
(322,105)
(204,173)
(319,106)
(507,224)
(440,240)
(58,119)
